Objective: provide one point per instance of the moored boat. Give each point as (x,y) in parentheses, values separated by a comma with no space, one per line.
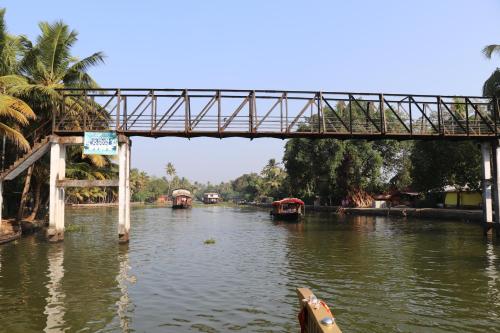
(5,238)
(288,209)
(181,199)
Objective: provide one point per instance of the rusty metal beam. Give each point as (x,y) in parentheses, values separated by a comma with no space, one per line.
(376,120)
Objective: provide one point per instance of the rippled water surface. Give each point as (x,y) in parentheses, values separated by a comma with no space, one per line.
(378,274)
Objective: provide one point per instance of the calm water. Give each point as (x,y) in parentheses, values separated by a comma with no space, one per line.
(378,274)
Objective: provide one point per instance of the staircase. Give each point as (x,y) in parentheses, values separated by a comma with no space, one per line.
(39,149)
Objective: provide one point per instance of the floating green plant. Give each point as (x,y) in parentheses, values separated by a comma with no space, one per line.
(209,241)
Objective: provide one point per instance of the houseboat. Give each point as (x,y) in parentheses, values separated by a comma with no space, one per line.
(288,209)
(181,199)
(211,198)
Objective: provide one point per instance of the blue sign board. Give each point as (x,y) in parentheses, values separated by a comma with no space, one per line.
(100,143)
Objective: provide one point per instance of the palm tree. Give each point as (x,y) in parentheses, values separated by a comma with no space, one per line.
(14,113)
(170,170)
(491,86)
(490,50)
(49,65)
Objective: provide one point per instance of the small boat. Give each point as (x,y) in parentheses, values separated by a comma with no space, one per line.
(315,315)
(288,209)
(181,199)
(9,237)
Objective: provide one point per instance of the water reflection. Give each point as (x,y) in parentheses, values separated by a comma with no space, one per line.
(491,271)
(123,278)
(55,310)
(379,274)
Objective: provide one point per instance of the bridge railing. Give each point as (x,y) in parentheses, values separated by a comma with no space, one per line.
(255,113)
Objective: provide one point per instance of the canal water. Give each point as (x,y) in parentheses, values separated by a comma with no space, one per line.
(378,274)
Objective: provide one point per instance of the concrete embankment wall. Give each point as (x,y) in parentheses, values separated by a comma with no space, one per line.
(423,213)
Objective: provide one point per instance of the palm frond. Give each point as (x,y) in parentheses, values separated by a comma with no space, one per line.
(489,50)
(14,136)
(86,63)
(97,160)
(12,80)
(15,109)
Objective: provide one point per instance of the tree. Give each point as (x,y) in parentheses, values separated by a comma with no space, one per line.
(138,185)
(14,113)
(246,186)
(436,164)
(273,180)
(170,171)
(491,86)
(490,50)
(332,168)
(48,65)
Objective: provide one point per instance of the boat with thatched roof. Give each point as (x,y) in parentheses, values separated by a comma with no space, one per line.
(181,199)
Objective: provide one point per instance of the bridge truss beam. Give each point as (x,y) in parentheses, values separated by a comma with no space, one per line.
(276,113)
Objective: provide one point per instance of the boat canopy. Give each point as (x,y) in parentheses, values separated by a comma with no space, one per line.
(180,192)
(288,201)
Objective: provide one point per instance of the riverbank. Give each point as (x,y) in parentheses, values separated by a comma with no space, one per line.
(152,204)
(10,229)
(471,215)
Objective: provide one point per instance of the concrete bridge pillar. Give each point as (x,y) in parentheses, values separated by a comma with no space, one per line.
(496,187)
(55,232)
(124,191)
(1,204)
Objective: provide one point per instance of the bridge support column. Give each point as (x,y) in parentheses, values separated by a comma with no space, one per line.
(55,232)
(496,187)
(487,182)
(124,192)
(1,205)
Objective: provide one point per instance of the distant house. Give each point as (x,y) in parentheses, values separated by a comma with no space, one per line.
(462,199)
(162,199)
(211,198)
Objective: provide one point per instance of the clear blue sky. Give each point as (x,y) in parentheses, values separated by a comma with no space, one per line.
(419,46)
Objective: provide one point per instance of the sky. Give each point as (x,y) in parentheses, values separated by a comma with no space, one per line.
(413,46)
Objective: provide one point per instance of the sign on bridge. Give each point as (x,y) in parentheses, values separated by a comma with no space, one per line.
(100,143)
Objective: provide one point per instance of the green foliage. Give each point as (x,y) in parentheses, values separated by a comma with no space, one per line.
(246,187)
(209,241)
(332,168)
(14,112)
(272,180)
(436,164)
(491,86)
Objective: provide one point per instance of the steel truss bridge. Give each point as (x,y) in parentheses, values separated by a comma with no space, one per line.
(275,113)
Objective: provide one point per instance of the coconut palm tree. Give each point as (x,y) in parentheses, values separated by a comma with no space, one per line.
(49,65)
(490,50)
(14,113)
(491,86)
(170,170)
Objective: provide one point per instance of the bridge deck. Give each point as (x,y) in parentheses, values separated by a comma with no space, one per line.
(278,114)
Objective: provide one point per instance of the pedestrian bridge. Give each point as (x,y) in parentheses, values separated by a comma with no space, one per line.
(275,113)
(252,114)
